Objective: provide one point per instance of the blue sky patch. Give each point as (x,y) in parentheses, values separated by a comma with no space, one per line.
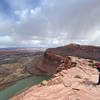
(3,34)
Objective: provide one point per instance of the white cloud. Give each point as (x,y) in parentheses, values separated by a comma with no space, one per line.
(53,22)
(5,38)
(5,41)
(22,14)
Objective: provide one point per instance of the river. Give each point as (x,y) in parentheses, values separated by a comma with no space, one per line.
(20,85)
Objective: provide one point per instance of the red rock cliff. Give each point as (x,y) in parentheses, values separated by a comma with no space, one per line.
(84,51)
(77,83)
(53,57)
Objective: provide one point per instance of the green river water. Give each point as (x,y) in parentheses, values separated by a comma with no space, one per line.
(20,85)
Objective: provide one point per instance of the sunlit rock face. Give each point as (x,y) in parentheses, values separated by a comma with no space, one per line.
(54,57)
(46,64)
(77,83)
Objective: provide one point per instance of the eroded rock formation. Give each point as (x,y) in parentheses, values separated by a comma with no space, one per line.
(84,51)
(13,66)
(54,57)
(77,83)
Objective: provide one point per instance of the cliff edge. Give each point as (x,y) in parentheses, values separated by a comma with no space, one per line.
(76,83)
(53,57)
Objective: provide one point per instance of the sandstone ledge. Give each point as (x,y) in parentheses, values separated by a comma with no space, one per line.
(67,85)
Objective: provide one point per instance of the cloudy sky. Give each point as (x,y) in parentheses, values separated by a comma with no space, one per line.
(47,23)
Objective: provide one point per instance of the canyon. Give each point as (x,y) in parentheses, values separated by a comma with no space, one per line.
(74,74)
(13,65)
(53,57)
(75,83)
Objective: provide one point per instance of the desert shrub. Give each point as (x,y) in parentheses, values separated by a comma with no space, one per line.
(79,57)
(90,61)
(89,64)
(78,76)
(77,99)
(94,65)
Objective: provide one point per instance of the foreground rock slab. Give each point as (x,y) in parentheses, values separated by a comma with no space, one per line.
(77,83)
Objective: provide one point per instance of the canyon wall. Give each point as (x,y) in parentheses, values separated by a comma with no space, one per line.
(53,57)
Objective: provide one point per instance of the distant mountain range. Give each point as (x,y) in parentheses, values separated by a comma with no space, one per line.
(17,48)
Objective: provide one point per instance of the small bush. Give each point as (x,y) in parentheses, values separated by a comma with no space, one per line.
(77,99)
(90,61)
(94,65)
(89,64)
(79,57)
(78,76)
